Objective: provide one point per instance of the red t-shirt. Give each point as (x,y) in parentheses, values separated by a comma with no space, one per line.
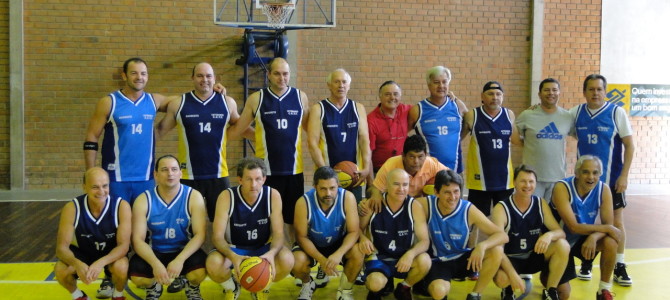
(387,135)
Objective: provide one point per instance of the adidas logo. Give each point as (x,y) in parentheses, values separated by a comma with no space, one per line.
(550,132)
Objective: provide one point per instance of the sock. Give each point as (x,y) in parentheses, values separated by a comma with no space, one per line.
(619,257)
(117,293)
(474,294)
(77,293)
(604,286)
(228,285)
(344,282)
(405,284)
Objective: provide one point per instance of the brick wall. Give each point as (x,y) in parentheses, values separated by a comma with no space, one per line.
(75,48)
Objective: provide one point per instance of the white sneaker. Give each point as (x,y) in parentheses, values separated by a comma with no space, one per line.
(345,294)
(321,279)
(307,290)
(106,289)
(231,289)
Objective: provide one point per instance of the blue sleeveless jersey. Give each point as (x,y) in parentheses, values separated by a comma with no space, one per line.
(490,155)
(440,127)
(586,209)
(95,236)
(128,143)
(201,128)
(597,134)
(326,228)
(392,233)
(448,234)
(169,224)
(279,131)
(523,228)
(339,141)
(249,227)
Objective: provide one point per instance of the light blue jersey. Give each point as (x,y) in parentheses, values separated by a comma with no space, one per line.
(326,228)
(128,144)
(586,209)
(169,224)
(448,234)
(440,127)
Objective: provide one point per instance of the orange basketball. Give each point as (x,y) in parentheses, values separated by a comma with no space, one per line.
(429,187)
(346,174)
(255,274)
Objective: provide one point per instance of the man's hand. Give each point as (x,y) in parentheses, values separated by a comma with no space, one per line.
(404,263)
(621,183)
(82,271)
(517,283)
(271,259)
(589,248)
(543,243)
(174,268)
(219,88)
(476,259)
(366,246)
(93,271)
(161,274)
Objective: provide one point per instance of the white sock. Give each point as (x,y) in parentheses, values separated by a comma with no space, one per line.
(228,285)
(604,286)
(404,283)
(474,294)
(117,293)
(77,293)
(619,257)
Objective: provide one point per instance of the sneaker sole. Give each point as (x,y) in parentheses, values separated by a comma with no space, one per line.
(585,278)
(623,283)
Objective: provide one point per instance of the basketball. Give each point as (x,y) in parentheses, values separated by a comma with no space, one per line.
(255,274)
(429,188)
(346,174)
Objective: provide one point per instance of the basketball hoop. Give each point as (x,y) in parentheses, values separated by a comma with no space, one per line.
(277,13)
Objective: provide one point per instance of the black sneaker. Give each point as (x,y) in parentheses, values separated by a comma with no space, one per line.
(471,297)
(585,271)
(373,296)
(321,278)
(402,292)
(106,289)
(193,292)
(154,292)
(177,285)
(388,288)
(550,294)
(421,288)
(621,276)
(507,293)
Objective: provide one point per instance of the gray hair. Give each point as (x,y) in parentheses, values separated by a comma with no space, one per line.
(583,158)
(330,75)
(437,70)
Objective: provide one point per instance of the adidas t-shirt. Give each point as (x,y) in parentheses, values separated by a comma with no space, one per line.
(544,138)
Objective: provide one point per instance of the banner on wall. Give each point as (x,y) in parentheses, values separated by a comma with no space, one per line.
(641,100)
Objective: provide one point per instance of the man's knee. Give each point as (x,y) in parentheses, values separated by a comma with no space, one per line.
(376,281)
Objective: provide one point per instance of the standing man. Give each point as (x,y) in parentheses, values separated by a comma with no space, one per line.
(280,113)
(387,125)
(127,118)
(93,234)
(168,231)
(327,229)
(396,241)
(542,131)
(338,129)
(536,241)
(202,116)
(450,220)
(579,200)
(489,176)
(438,119)
(248,222)
(603,130)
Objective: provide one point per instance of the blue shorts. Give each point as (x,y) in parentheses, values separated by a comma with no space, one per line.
(385,266)
(129,190)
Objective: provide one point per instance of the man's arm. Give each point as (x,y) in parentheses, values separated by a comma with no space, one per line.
(378,187)
(412,117)
(122,243)
(497,237)
(314,134)
(462,109)
(139,233)
(301,225)
(161,102)
(219,227)
(248,132)
(277,223)
(198,223)
(518,134)
(468,122)
(353,231)
(305,108)
(95,127)
(241,126)
(422,239)
(64,239)
(169,120)
(628,153)
(364,142)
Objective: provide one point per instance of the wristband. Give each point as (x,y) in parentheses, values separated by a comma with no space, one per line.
(90,146)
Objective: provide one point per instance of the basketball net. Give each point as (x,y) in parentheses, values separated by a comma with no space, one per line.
(277,13)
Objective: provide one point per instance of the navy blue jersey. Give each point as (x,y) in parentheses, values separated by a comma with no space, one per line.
(523,228)
(339,141)
(169,224)
(249,227)
(586,209)
(598,135)
(489,154)
(279,131)
(128,143)
(95,235)
(441,128)
(326,228)
(201,130)
(449,233)
(392,233)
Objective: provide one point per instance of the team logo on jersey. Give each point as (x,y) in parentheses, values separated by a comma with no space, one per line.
(593,214)
(452,119)
(430,121)
(262,221)
(88,236)
(125,117)
(292,112)
(157,223)
(506,132)
(192,116)
(549,132)
(110,235)
(352,125)
(403,232)
(111,167)
(381,231)
(217,116)
(148,116)
(603,128)
(535,231)
(455,236)
(180,221)
(484,132)
(240,224)
(270,112)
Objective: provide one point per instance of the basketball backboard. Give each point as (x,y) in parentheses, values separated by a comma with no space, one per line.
(247,14)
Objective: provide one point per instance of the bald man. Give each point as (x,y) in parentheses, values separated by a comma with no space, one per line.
(93,234)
